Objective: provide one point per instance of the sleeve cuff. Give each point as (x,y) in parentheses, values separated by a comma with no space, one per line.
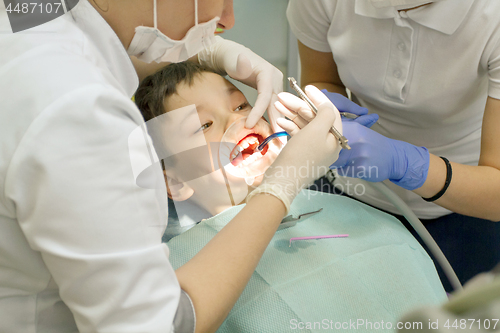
(494,91)
(185,317)
(274,190)
(310,42)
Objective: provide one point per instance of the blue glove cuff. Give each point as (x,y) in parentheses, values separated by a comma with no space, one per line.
(417,167)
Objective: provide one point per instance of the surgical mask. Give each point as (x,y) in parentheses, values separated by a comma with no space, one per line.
(150,44)
(400,4)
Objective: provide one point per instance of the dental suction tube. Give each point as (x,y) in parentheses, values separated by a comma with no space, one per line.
(422,232)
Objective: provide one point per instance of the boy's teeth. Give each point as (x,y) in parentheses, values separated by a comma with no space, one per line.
(253,158)
(244,144)
(248,141)
(248,161)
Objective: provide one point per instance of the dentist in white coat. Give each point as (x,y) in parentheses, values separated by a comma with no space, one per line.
(80,241)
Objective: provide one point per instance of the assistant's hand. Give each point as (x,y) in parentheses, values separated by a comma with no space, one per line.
(242,64)
(344,104)
(375,158)
(308,154)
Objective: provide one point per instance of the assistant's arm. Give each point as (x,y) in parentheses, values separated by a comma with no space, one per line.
(320,70)
(474,190)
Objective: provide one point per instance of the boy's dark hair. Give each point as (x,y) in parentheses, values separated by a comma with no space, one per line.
(155,88)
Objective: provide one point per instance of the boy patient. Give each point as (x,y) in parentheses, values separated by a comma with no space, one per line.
(194,107)
(370,278)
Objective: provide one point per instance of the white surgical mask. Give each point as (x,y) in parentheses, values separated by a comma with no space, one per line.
(400,4)
(150,44)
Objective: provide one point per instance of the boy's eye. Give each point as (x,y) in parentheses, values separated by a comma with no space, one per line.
(242,107)
(204,126)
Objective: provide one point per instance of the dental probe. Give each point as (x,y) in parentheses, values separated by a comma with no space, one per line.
(342,139)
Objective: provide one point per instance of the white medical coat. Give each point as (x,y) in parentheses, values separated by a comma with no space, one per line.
(79,240)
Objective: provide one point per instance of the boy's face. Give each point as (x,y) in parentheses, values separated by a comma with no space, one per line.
(219,104)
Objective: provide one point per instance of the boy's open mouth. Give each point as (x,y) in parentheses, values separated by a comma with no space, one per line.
(244,153)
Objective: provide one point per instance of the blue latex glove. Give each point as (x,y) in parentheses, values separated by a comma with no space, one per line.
(344,104)
(375,158)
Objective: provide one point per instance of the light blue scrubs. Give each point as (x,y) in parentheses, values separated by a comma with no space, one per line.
(366,281)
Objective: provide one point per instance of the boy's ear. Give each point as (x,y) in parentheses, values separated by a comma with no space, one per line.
(177,190)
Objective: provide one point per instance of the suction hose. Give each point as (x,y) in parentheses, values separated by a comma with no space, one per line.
(422,232)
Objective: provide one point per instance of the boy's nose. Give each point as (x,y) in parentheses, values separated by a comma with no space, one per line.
(234,117)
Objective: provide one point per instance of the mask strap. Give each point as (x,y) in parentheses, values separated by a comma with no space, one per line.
(195,12)
(156,15)
(64,6)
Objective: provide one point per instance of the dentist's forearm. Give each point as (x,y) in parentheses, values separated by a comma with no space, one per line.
(473,191)
(217,275)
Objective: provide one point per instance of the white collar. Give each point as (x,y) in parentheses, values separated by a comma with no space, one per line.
(444,16)
(107,42)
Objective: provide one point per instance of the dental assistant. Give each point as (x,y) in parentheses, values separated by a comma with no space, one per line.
(80,241)
(431,71)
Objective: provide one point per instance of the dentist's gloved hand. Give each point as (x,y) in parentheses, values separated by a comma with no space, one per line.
(344,104)
(308,154)
(375,158)
(242,64)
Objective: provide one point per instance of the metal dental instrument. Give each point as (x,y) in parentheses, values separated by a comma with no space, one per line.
(290,221)
(349,115)
(342,139)
(316,237)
